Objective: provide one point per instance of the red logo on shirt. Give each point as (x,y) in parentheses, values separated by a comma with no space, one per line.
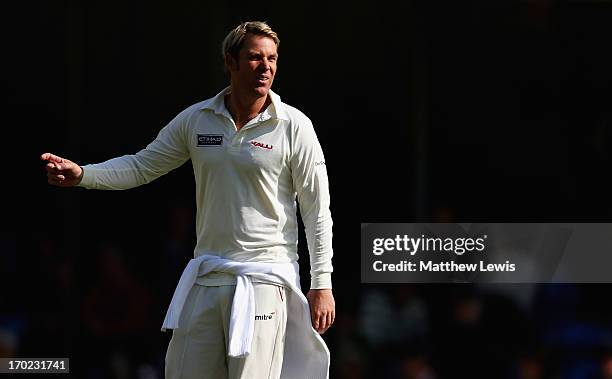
(262,145)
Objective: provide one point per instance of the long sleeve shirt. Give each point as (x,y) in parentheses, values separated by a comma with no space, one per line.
(247,182)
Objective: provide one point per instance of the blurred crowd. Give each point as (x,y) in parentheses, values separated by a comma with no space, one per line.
(426,331)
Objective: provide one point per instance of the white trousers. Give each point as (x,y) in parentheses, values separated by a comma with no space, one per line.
(198,349)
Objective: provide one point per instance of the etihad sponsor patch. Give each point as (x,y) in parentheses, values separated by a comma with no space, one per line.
(210,139)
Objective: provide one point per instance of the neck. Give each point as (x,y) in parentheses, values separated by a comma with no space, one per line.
(245,108)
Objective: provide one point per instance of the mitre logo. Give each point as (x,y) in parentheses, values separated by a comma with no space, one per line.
(262,145)
(264,317)
(210,139)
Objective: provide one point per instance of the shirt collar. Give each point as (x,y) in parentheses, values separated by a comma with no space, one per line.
(275,110)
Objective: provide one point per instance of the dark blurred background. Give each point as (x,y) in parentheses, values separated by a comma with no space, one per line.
(428,111)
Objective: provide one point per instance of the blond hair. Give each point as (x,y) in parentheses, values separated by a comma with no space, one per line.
(234,40)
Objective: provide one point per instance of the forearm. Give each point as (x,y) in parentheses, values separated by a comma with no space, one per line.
(159,157)
(121,173)
(319,237)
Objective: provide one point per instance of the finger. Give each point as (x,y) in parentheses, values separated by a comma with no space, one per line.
(56,177)
(313,317)
(51,157)
(315,321)
(325,324)
(321,324)
(52,168)
(330,319)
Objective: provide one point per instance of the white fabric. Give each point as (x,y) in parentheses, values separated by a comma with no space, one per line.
(198,350)
(306,355)
(242,322)
(247,181)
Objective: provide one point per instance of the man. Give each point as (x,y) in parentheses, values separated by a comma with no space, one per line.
(237,311)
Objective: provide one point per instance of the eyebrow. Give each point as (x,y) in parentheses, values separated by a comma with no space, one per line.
(259,53)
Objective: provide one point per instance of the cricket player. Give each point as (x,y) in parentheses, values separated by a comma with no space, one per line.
(238,310)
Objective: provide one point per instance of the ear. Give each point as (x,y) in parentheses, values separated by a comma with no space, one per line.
(230,63)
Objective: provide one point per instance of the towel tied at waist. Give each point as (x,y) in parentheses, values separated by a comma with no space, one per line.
(306,355)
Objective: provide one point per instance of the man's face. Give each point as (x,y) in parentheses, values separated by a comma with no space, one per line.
(254,72)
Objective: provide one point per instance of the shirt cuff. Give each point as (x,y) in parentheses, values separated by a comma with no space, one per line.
(321,281)
(88,180)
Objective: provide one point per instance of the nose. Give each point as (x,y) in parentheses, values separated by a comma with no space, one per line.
(266,65)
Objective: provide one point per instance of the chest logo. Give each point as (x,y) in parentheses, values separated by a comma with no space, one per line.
(261,145)
(210,139)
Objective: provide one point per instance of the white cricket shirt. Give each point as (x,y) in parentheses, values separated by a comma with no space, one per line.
(246,182)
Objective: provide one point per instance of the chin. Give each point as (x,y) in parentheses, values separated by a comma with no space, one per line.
(262,91)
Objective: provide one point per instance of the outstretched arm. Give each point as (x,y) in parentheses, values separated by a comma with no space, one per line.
(62,172)
(167,152)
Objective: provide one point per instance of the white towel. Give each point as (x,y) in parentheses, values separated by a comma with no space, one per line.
(242,324)
(306,355)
